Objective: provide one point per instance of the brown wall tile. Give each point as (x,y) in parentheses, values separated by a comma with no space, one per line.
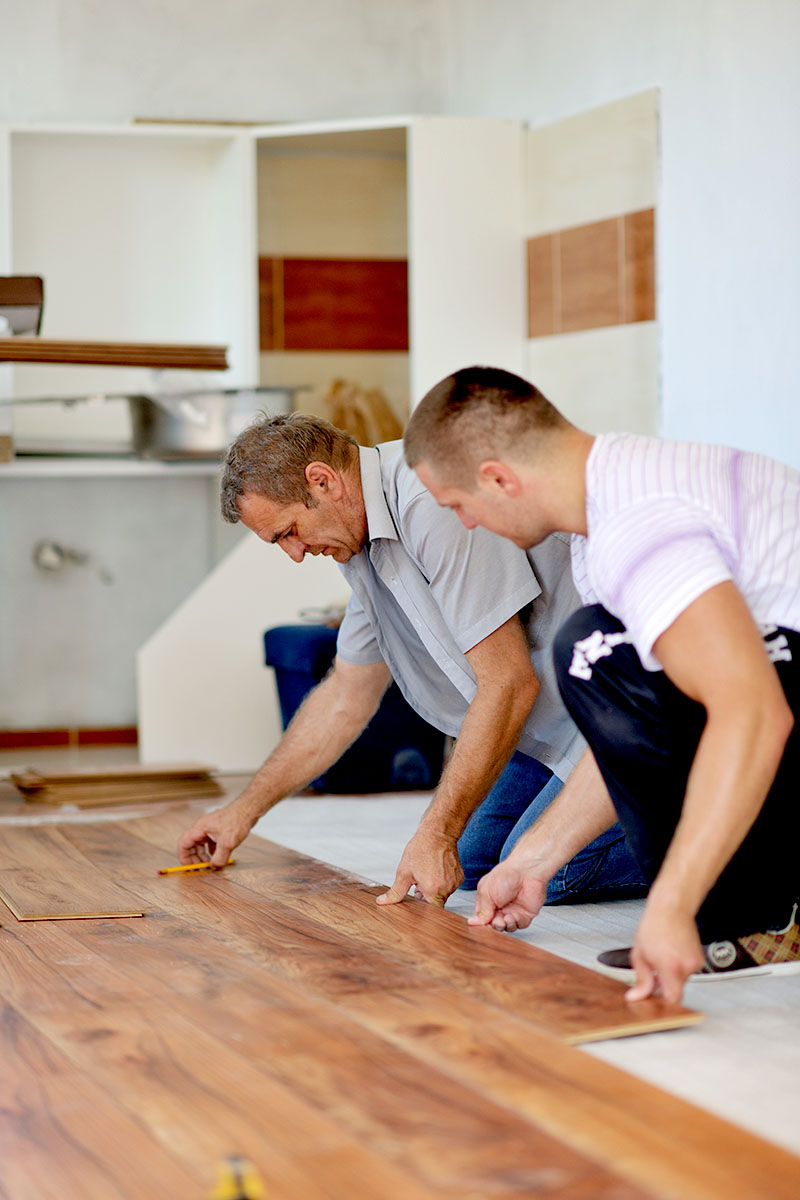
(270,296)
(333,304)
(590,276)
(542,298)
(639,293)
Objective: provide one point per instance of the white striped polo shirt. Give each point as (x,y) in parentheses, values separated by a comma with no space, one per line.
(666,521)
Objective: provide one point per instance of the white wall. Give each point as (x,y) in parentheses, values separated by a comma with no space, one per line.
(728,228)
(79,60)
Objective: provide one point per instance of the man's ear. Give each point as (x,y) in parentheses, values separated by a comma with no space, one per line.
(498,477)
(321,477)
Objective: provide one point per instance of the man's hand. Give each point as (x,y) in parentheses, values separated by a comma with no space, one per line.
(430,863)
(509,897)
(666,951)
(215,835)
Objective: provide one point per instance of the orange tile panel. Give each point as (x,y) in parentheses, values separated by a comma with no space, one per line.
(590,276)
(639,290)
(542,293)
(345,304)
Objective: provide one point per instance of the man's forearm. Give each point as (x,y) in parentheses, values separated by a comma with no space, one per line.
(580,813)
(487,740)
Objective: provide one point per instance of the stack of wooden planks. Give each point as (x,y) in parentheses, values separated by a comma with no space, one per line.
(349,1051)
(109,786)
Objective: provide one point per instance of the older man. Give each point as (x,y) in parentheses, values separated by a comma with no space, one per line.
(681,671)
(437,608)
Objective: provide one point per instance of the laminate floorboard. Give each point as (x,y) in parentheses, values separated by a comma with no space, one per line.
(44,878)
(271,1071)
(235,1019)
(571,1002)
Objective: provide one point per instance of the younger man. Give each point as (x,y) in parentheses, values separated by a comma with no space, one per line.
(681,670)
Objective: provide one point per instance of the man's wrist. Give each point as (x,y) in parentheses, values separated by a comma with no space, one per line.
(531,857)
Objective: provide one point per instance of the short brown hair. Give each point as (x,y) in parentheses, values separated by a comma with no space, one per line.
(270,457)
(477,413)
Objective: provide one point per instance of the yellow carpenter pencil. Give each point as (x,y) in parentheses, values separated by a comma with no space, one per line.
(194,867)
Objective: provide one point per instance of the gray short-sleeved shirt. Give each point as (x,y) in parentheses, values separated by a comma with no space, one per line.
(426,590)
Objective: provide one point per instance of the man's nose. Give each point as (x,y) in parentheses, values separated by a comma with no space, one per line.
(294,548)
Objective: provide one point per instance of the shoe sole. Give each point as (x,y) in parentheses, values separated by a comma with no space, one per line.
(628,975)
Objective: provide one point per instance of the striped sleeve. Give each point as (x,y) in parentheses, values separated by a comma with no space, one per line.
(650,561)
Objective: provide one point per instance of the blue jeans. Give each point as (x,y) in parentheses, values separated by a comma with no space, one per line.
(603,870)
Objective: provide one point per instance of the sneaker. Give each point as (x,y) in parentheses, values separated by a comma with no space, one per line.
(775,952)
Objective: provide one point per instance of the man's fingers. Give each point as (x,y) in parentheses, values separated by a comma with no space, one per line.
(195,846)
(646,979)
(399,889)
(221,854)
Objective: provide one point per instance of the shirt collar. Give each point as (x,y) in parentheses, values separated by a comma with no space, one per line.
(379,518)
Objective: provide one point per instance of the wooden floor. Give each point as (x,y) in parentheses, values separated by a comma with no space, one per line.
(275,1011)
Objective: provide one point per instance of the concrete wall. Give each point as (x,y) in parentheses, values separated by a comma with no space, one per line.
(80,60)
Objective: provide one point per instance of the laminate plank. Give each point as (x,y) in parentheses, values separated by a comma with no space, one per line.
(30,778)
(279,1075)
(229,959)
(88,789)
(44,878)
(621,1120)
(63,1138)
(570,1001)
(110,795)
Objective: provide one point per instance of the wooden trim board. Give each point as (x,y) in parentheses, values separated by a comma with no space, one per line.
(44,878)
(115,354)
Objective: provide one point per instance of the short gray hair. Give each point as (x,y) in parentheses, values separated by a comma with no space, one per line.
(270,457)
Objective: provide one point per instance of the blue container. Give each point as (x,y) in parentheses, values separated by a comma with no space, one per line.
(397,751)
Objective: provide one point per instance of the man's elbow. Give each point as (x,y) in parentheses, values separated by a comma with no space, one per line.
(525,691)
(783,724)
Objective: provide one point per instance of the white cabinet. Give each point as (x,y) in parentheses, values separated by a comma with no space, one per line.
(142,234)
(152,233)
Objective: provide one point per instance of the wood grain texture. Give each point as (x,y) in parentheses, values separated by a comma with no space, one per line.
(234,1020)
(544,311)
(590,276)
(101,788)
(44,878)
(115,354)
(639,294)
(333,304)
(570,1001)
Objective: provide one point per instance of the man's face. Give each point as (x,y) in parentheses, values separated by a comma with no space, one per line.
(489,505)
(325,529)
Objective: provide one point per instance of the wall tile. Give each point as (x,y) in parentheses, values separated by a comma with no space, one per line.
(639,295)
(334,304)
(543,286)
(590,276)
(270,303)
